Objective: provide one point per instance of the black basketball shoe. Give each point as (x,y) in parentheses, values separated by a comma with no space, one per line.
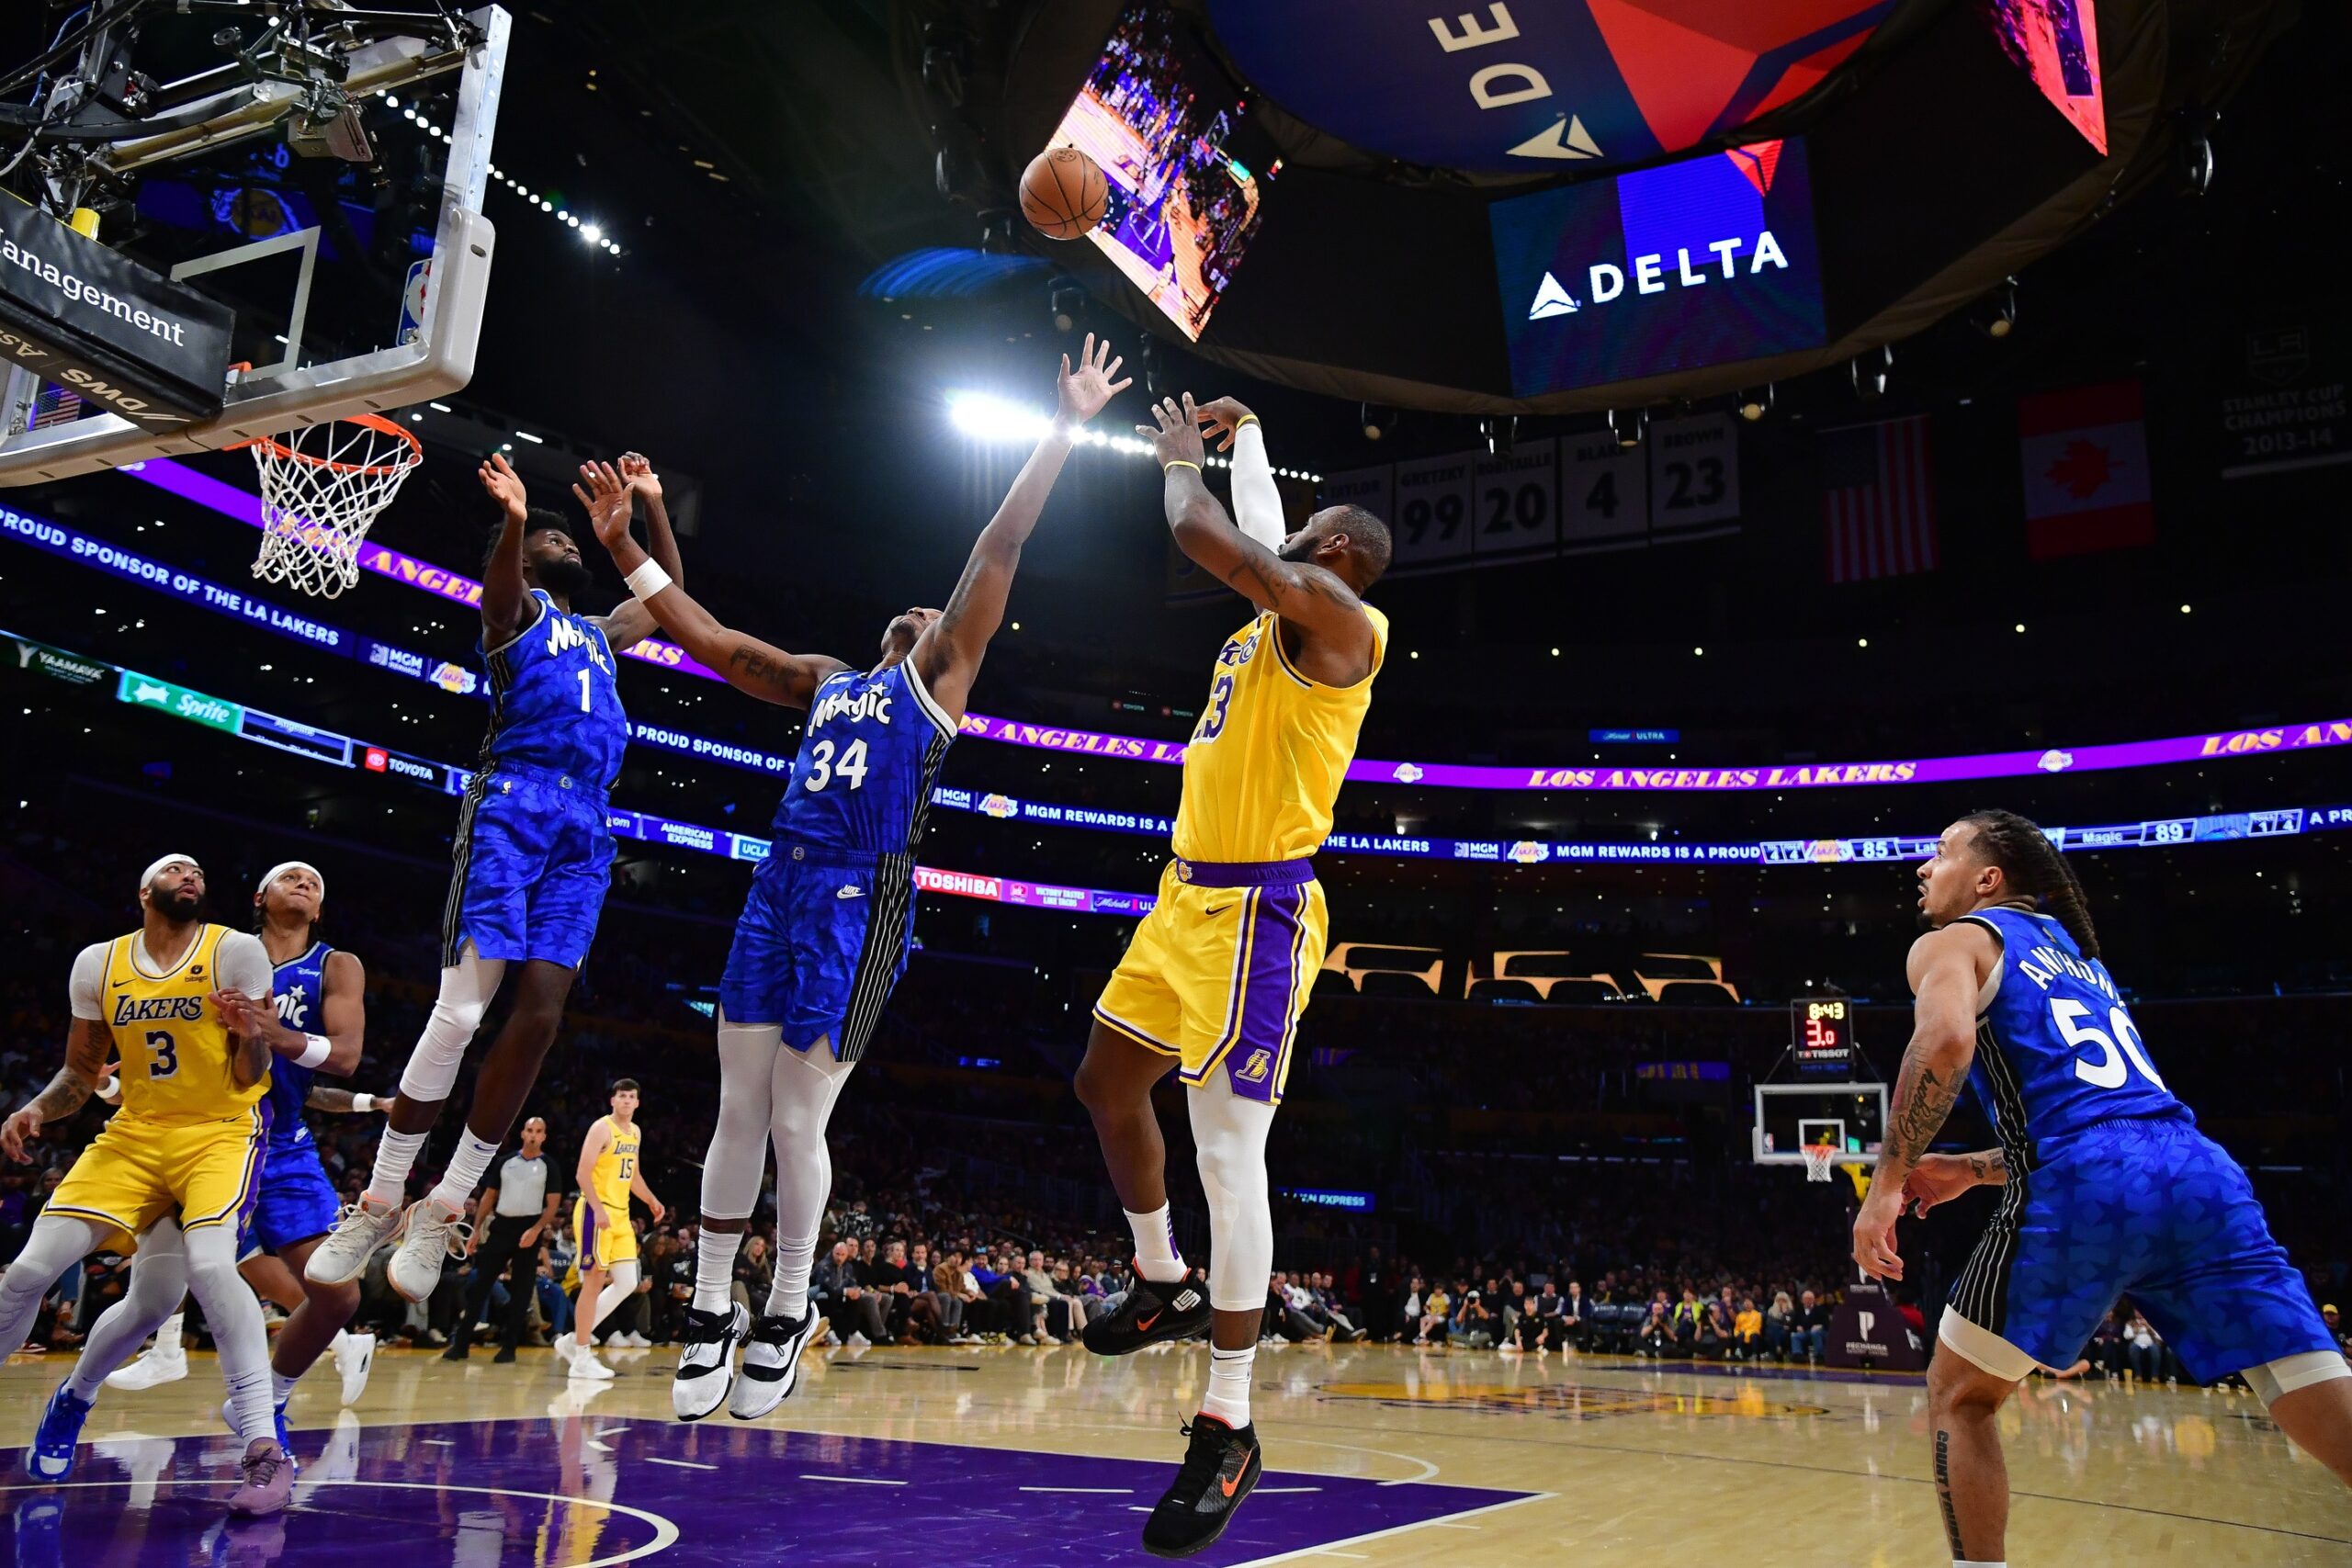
(1220,1468)
(1151,1315)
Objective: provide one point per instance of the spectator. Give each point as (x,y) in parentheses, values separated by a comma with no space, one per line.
(1748,1330)
(1809,1329)
(1435,1317)
(1475,1323)
(754,1274)
(1779,1321)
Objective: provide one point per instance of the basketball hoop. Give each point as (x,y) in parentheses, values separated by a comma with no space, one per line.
(1818,1158)
(321,488)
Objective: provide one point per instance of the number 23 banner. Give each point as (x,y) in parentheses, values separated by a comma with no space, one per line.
(1572,496)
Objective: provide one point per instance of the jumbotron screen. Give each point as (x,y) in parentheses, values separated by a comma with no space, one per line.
(1702,262)
(1161,118)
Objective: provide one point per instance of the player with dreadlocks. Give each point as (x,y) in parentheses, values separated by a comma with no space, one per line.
(2107,1186)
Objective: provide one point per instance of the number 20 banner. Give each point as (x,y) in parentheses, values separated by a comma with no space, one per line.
(1572,496)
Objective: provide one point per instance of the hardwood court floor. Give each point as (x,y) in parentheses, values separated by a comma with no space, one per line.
(1376,1455)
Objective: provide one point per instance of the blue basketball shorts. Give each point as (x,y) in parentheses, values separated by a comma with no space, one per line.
(296,1203)
(534,859)
(823,938)
(2149,1209)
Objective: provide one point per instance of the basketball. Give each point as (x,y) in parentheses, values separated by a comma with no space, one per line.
(1063,194)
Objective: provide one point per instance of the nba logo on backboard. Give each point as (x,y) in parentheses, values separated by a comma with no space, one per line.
(1254,1069)
(420,275)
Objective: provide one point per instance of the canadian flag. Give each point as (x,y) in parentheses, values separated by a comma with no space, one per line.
(2085,459)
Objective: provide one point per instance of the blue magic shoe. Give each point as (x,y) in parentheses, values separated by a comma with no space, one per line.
(50,1458)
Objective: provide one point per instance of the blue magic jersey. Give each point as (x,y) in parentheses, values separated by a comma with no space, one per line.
(2056,1049)
(553,703)
(868,760)
(301,989)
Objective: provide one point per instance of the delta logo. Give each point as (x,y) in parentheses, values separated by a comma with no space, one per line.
(1727,258)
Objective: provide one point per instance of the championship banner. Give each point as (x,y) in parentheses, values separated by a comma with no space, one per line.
(125,339)
(2284,400)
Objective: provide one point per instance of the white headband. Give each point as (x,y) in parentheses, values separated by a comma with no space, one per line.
(281,868)
(156,870)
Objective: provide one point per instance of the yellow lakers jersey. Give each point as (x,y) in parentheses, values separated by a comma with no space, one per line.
(174,1049)
(1266,762)
(616,1165)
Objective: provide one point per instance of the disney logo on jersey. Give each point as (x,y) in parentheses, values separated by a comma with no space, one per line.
(156,1009)
(872,702)
(565,632)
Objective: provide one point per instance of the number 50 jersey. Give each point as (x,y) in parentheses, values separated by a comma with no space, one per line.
(2056,1049)
(868,758)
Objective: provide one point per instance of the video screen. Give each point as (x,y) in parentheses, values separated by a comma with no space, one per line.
(1702,262)
(2056,43)
(1164,121)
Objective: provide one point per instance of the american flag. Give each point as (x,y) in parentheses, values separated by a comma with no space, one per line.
(1878,487)
(54,405)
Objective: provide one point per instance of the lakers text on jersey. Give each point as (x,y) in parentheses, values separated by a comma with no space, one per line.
(825,932)
(188,1139)
(533,853)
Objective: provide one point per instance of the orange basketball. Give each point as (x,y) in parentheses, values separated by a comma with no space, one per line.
(1063,194)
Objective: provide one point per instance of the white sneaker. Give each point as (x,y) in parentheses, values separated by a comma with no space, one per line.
(433,1233)
(858,1341)
(771,1364)
(565,1348)
(585,1365)
(362,1228)
(355,1357)
(706,1365)
(633,1340)
(165,1361)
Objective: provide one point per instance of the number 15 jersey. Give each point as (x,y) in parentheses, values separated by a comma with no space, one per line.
(867,761)
(2056,1049)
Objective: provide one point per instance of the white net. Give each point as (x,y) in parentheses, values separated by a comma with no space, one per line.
(1818,1158)
(321,488)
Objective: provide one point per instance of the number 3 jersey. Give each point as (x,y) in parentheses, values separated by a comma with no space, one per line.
(2056,1049)
(173,1047)
(826,928)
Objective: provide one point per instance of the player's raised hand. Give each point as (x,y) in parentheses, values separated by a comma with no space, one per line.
(243,1018)
(1224,415)
(636,472)
(1874,1252)
(505,486)
(1937,1179)
(1082,392)
(19,1131)
(1175,436)
(607,497)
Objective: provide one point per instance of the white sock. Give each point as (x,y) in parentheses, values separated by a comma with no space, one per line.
(795,1256)
(1156,1255)
(280,1385)
(715,1268)
(395,1157)
(465,1173)
(1228,1395)
(169,1340)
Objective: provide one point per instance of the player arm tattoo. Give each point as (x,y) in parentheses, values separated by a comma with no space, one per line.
(323,1098)
(1924,1095)
(1989,1168)
(85,1061)
(1943,1045)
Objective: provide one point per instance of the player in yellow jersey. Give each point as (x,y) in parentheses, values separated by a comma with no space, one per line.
(608,1174)
(177,1167)
(1217,973)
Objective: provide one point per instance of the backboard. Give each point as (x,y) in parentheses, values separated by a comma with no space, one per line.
(1790,1115)
(351,244)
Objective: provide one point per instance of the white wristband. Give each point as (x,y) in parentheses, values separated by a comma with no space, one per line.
(318,1050)
(362,1104)
(110,1086)
(648,580)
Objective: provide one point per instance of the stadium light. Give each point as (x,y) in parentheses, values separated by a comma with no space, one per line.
(982,416)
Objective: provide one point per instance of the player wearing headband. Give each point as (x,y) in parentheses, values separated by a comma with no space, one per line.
(533,858)
(177,1167)
(317,989)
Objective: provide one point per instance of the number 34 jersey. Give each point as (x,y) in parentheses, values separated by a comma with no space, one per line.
(868,758)
(2056,1049)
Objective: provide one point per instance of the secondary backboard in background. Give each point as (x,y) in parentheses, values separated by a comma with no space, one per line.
(1790,1115)
(358,285)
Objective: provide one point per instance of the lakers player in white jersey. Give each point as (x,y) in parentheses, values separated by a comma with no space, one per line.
(608,1175)
(177,1169)
(1216,975)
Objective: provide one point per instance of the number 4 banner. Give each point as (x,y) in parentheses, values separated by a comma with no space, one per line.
(1604,494)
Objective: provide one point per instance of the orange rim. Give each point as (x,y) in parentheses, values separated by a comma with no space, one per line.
(376,422)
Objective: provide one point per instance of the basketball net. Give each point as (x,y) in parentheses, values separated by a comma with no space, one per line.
(321,488)
(1818,1158)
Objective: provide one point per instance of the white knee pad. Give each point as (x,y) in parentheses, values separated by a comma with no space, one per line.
(1230,1134)
(467,988)
(2288,1373)
(738,1143)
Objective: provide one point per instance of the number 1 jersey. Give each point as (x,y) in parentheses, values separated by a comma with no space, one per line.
(2056,1049)
(867,761)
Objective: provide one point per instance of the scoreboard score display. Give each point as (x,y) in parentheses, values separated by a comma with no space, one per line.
(1823,1033)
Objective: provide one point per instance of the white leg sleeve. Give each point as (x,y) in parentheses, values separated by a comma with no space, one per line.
(234,1315)
(802,1091)
(622,1286)
(1230,1134)
(739,1144)
(158,1285)
(58,1242)
(467,988)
